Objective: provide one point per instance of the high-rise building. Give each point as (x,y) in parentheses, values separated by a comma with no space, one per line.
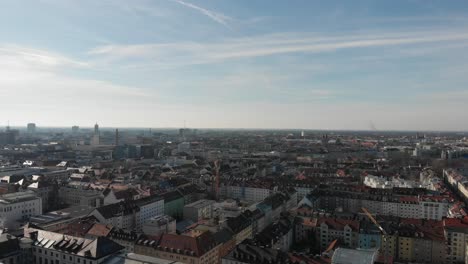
(31,128)
(8,137)
(96,129)
(75,129)
(95,140)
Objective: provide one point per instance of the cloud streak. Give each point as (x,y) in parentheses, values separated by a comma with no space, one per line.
(37,58)
(187,53)
(215,16)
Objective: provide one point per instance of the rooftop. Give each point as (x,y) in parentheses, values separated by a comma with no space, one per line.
(18,197)
(201,203)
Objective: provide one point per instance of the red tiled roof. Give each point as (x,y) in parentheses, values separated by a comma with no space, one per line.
(431,229)
(455,222)
(100,230)
(198,245)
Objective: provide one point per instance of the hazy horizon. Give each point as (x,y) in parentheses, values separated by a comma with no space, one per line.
(331,65)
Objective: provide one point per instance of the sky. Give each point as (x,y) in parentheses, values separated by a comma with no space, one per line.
(303,64)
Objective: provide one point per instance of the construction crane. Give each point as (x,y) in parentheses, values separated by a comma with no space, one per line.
(330,247)
(216,185)
(384,233)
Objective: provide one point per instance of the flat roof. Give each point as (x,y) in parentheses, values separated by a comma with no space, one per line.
(18,197)
(200,203)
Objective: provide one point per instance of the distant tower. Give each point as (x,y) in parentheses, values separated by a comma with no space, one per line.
(96,129)
(95,140)
(31,128)
(75,129)
(116,136)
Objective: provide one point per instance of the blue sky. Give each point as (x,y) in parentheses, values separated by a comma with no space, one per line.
(243,63)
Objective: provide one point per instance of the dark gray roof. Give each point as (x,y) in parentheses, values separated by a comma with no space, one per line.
(223,236)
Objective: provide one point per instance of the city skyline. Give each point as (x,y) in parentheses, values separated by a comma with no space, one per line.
(360,65)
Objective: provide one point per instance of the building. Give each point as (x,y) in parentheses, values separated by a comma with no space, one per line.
(114,196)
(456,233)
(183,147)
(247,191)
(201,209)
(163,224)
(279,235)
(54,248)
(200,249)
(17,208)
(174,204)
(240,226)
(60,219)
(344,230)
(31,128)
(305,229)
(96,137)
(123,238)
(384,183)
(251,254)
(130,215)
(46,192)
(346,255)
(150,207)
(225,238)
(8,137)
(399,202)
(75,129)
(11,250)
(370,237)
(120,215)
(421,241)
(132,258)
(80,195)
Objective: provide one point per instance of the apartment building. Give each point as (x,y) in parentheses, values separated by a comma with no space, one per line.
(55,248)
(18,207)
(162,224)
(456,233)
(197,249)
(130,215)
(417,205)
(345,230)
(248,191)
(201,209)
(80,195)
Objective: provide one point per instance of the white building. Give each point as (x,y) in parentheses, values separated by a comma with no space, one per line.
(80,195)
(150,207)
(53,248)
(130,215)
(384,183)
(18,207)
(249,193)
(201,209)
(163,224)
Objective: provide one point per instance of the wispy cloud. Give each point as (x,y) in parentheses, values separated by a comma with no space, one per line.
(215,16)
(186,53)
(36,80)
(36,57)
